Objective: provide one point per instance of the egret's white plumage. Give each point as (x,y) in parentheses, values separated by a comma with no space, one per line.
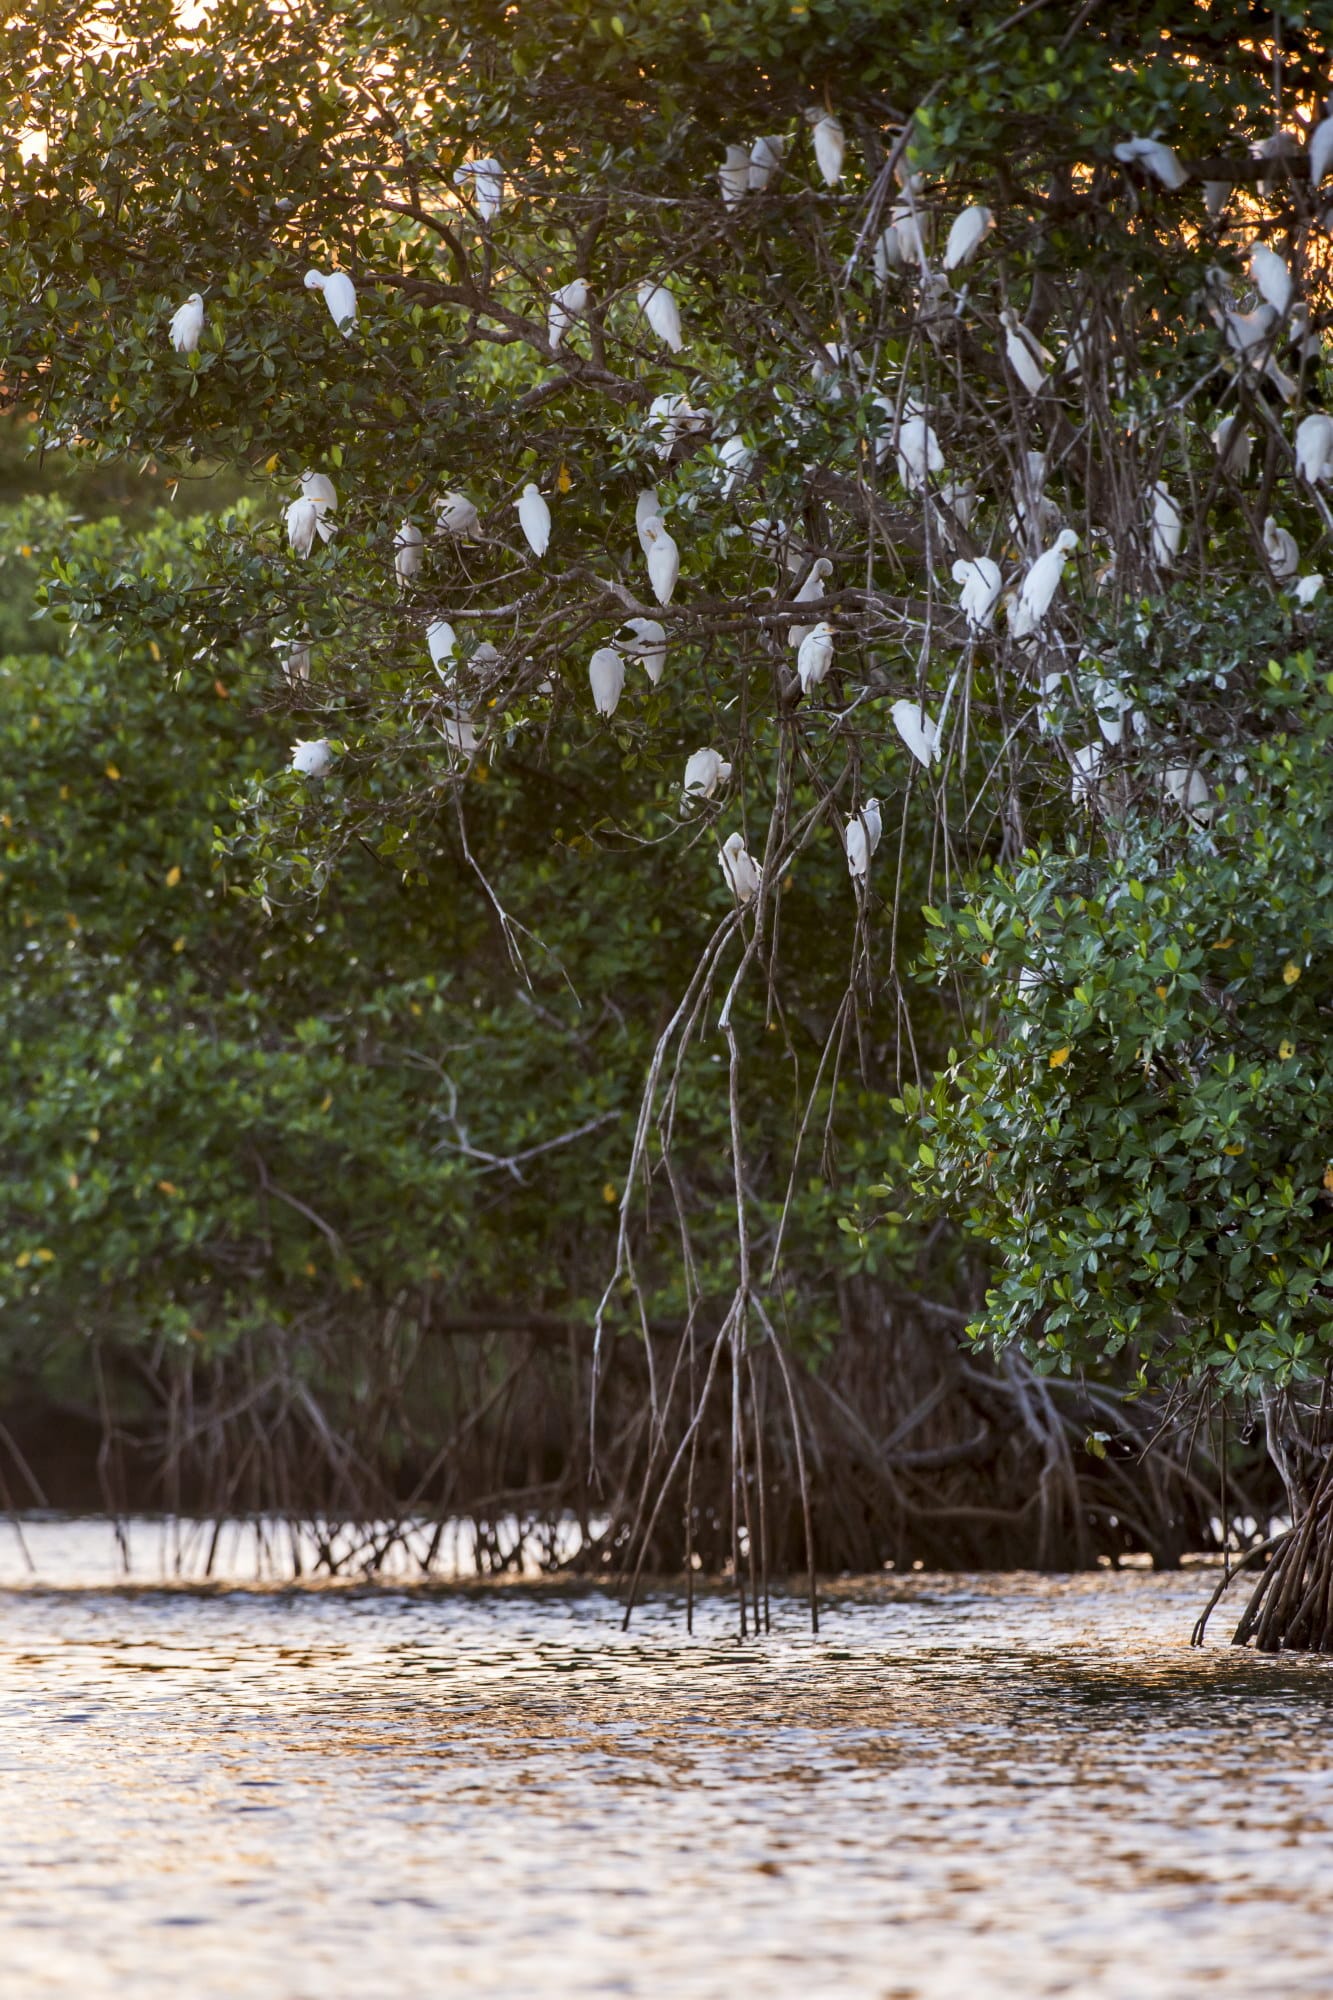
(743,875)
(646,508)
(1187,787)
(317,486)
(566,305)
(663,560)
(296,658)
(534,517)
(1307,589)
(919,455)
(766,156)
(737,457)
(1272,276)
(442,641)
(966,235)
(734,175)
(980,584)
(659,308)
(1284,557)
(1233,444)
(830,149)
(1168,526)
(407,552)
(1040,584)
(460,733)
(1086,772)
(862,838)
(918,732)
(1155,158)
(606,678)
(1314,447)
(1027,357)
(187,323)
(815,655)
(339,296)
(313,759)
(1111,707)
(644,639)
(809,593)
(456,514)
(670,417)
(302,526)
(488,186)
(705,770)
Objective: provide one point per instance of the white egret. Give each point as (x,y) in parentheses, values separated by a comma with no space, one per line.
(919,454)
(809,593)
(339,296)
(1087,770)
(456,514)
(302,526)
(671,417)
(959,496)
(1314,447)
(317,486)
(606,677)
(313,759)
(646,508)
(705,770)
(1307,589)
(1186,786)
(1168,526)
(743,875)
(734,176)
(187,323)
(1272,277)
(663,560)
(918,732)
(1246,330)
(1284,557)
(1111,707)
(980,584)
(862,838)
(830,148)
(1155,158)
(1233,445)
(888,253)
(460,733)
(1027,357)
(659,308)
(1040,584)
(966,236)
(534,517)
(407,552)
(296,658)
(442,641)
(815,655)
(647,642)
(766,156)
(488,186)
(1320,151)
(566,305)
(737,457)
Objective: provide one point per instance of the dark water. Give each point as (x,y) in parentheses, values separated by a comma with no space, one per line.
(965,1787)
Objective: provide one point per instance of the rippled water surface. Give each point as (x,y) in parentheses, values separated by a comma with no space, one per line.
(964,1787)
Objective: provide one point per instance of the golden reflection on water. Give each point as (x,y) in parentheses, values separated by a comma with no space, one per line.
(965,1787)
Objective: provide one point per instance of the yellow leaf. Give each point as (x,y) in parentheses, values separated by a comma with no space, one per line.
(271,464)
(71,1182)
(328,1100)
(94,1134)
(309,1270)
(609,1194)
(25,548)
(357,1284)
(220,691)
(563,480)
(414,1006)
(22,1261)
(986,957)
(155,649)
(1290,973)
(112,772)
(178,944)
(1286,1050)
(64,796)
(167,1187)
(1328,1178)
(1233,1152)
(480,773)
(44,1257)
(1223,944)
(1058,1057)
(1160,991)
(173,876)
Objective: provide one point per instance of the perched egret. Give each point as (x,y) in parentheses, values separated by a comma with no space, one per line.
(959,496)
(1233,445)
(302,526)
(862,838)
(606,677)
(442,641)
(979,594)
(663,560)
(1246,330)
(1111,707)
(296,658)
(407,552)
(1306,590)
(1087,770)
(1314,447)
(670,417)
(313,760)
(339,296)
(1320,151)
(1272,277)
(766,156)
(966,236)
(1168,527)
(809,593)
(888,253)
(830,148)
(646,641)
(918,732)
(1039,586)
(737,457)
(919,454)
(1027,357)
(488,186)
(566,306)
(659,308)
(734,176)
(534,517)
(815,655)
(1186,786)
(187,323)
(646,508)
(456,514)
(743,876)
(460,733)
(1284,558)
(317,486)
(705,770)
(1154,158)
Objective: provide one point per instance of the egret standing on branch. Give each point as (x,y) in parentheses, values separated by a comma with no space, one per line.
(566,306)
(339,296)
(918,732)
(815,656)
(705,770)
(830,147)
(743,876)
(534,517)
(659,308)
(606,677)
(187,323)
(488,186)
(663,560)
(1027,357)
(967,235)
(863,835)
